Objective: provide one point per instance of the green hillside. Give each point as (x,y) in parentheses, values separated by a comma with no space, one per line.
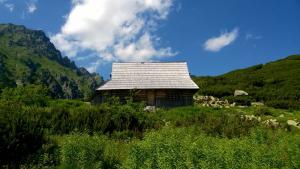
(276,83)
(28,57)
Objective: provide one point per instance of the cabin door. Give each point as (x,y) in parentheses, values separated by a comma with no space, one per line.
(151,98)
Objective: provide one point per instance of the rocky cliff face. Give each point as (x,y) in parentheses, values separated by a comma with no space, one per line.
(28,57)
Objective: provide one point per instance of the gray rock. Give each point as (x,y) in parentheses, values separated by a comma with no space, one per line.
(257,104)
(251,118)
(210,101)
(150,108)
(271,122)
(240,93)
(293,123)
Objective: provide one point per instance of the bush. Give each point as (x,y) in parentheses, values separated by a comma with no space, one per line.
(226,125)
(263,111)
(83,151)
(240,100)
(48,156)
(189,148)
(214,122)
(27,95)
(60,118)
(65,103)
(284,104)
(20,135)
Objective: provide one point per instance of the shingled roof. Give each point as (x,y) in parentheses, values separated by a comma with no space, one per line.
(149,75)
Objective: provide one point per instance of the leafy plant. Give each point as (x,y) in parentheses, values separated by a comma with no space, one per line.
(20,135)
(189,148)
(27,95)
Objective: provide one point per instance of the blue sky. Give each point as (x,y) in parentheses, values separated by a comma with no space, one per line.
(214,37)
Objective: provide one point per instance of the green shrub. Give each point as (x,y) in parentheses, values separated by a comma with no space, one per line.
(240,100)
(67,103)
(28,95)
(123,135)
(214,122)
(263,111)
(48,156)
(20,135)
(84,151)
(189,148)
(284,104)
(60,120)
(65,117)
(226,125)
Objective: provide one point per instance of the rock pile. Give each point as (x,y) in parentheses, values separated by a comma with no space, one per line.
(251,118)
(271,122)
(210,101)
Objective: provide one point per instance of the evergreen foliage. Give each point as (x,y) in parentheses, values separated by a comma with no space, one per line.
(277,83)
(42,133)
(190,148)
(28,57)
(21,135)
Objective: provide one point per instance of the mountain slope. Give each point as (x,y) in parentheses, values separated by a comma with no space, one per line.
(28,57)
(276,83)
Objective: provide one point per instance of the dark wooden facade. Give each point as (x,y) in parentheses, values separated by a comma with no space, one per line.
(151,97)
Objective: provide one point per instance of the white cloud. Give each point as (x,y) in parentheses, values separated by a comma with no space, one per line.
(113,29)
(250,36)
(93,67)
(141,50)
(9,6)
(31,7)
(215,44)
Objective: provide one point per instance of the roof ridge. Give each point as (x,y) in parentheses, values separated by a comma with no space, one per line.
(151,75)
(154,62)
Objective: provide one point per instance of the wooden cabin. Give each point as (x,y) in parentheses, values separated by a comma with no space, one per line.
(161,84)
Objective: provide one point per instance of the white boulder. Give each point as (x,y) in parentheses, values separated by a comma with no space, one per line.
(240,93)
(257,104)
(293,123)
(149,108)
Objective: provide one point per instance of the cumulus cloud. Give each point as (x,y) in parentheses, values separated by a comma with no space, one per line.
(215,44)
(115,30)
(9,6)
(140,50)
(31,7)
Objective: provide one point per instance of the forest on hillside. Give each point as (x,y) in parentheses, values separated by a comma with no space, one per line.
(277,84)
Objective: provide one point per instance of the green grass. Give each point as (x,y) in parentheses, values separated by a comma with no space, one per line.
(21,46)
(190,148)
(274,83)
(181,147)
(188,112)
(75,134)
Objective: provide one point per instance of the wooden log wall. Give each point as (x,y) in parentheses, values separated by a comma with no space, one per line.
(153,97)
